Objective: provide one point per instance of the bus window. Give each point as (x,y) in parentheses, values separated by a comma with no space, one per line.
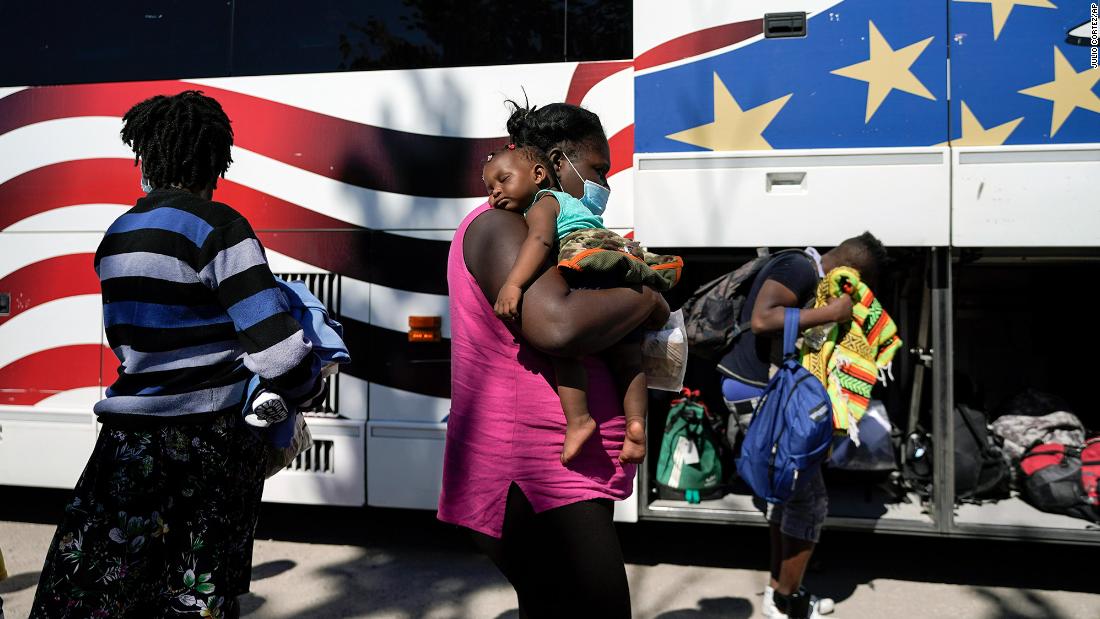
(172,39)
(599,30)
(77,42)
(338,35)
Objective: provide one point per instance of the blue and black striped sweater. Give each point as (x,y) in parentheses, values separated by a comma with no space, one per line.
(192,310)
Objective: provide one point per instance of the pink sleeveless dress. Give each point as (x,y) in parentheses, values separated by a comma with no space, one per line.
(506,423)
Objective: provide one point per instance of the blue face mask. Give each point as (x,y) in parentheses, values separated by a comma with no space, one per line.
(595,195)
(146,186)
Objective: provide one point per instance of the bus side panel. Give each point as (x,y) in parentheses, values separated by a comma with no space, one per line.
(1025,127)
(332,471)
(59,190)
(410,385)
(51,351)
(775,141)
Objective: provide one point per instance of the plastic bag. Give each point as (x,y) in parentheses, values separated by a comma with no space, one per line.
(278,458)
(875,451)
(664,354)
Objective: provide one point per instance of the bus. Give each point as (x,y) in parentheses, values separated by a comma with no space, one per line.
(966,136)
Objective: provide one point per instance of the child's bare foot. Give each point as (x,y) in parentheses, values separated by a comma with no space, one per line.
(634,445)
(577,432)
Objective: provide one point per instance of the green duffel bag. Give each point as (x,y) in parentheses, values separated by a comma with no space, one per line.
(690,464)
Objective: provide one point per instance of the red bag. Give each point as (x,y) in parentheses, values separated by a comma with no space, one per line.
(1062,479)
(1041,456)
(1090,470)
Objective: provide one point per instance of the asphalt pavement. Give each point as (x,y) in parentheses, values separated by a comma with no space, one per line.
(326,562)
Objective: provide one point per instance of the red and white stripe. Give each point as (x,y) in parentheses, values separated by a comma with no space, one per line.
(667,36)
(65,176)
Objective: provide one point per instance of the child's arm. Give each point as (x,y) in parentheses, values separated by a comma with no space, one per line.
(541,235)
(557,320)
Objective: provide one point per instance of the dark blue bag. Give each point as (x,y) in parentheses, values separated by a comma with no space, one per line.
(791,429)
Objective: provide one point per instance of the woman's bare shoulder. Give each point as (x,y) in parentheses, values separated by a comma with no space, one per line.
(490,246)
(495,222)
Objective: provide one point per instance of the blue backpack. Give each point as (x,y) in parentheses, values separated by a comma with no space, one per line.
(791,429)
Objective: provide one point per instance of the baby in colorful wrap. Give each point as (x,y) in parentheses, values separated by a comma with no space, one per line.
(520,179)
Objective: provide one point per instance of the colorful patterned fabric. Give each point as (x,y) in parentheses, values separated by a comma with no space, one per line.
(161,524)
(847,358)
(611,257)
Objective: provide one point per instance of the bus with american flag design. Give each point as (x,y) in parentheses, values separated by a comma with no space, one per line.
(964,136)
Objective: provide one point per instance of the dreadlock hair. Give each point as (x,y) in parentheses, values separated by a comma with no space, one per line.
(181,141)
(867,254)
(558,125)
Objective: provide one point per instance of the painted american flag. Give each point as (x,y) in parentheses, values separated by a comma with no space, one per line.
(364,175)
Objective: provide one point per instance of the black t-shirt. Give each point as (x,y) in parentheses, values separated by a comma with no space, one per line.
(751,356)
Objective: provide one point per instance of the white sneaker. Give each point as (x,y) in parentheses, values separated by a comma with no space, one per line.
(768,607)
(268,408)
(818,606)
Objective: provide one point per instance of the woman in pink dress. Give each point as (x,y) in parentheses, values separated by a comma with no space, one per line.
(547,526)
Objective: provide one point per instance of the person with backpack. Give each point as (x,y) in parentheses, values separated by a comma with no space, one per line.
(789,280)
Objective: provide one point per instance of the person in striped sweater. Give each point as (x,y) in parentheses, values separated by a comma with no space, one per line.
(163,517)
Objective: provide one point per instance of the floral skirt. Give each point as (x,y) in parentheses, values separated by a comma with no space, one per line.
(161,524)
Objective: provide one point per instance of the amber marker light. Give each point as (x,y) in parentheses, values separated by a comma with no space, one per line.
(425,328)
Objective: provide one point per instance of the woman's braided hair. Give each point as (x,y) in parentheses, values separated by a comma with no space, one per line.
(181,141)
(558,125)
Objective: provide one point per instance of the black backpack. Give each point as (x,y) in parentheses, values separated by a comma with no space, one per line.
(981,470)
(916,462)
(711,314)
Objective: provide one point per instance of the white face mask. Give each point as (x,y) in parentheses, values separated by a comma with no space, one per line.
(595,195)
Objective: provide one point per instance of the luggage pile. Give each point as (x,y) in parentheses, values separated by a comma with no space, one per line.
(1057,467)
(1042,454)
(1062,479)
(982,472)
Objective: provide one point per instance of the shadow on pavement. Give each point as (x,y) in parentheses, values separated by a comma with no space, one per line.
(19,582)
(726,608)
(1024,605)
(406,562)
(250,603)
(844,560)
(847,560)
(271,568)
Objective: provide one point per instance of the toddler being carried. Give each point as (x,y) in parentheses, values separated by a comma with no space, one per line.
(521,179)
